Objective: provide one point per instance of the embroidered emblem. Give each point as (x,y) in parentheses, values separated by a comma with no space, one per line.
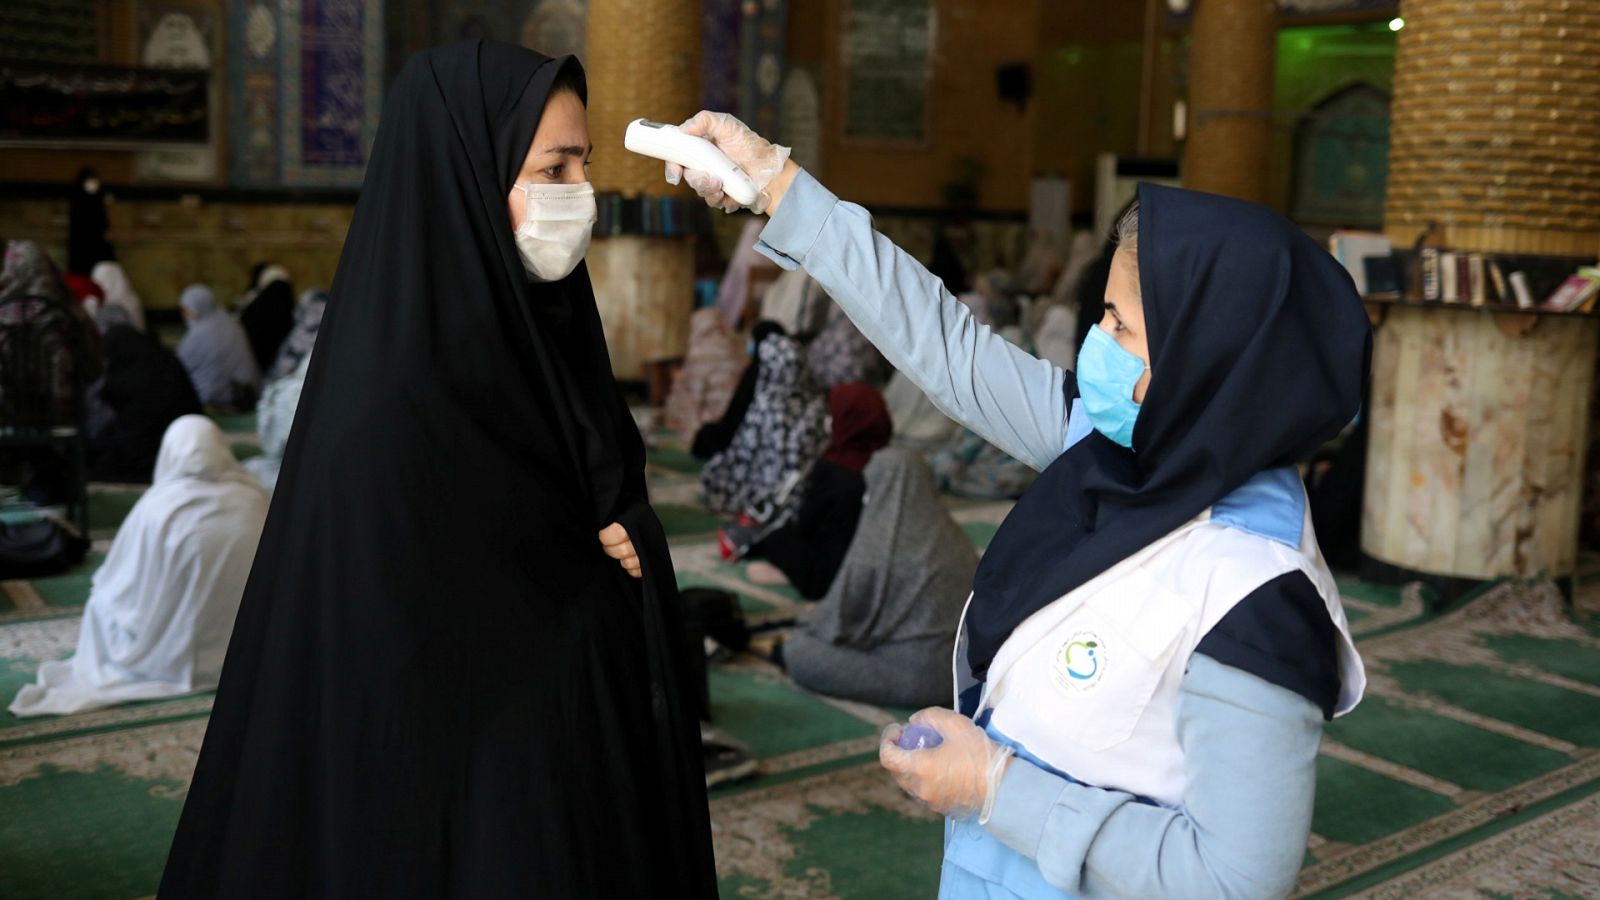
(1080,664)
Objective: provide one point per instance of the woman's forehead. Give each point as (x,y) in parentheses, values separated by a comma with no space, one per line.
(1122,284)
(563,126)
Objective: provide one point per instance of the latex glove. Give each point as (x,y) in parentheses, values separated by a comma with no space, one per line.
(761,159)
(960,777)
(614,538)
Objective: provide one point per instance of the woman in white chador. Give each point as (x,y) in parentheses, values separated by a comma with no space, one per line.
(162,606)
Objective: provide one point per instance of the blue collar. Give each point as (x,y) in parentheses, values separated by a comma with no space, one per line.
(1271,505)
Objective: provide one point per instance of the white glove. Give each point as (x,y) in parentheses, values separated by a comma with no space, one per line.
(761,159)
(960,777)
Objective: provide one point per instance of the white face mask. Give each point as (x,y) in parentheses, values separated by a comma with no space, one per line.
(555,228)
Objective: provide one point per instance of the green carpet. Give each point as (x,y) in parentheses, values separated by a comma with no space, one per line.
(676,460)
(235,423)
(108,507)
(681,521)
(1472,769)
(69,589)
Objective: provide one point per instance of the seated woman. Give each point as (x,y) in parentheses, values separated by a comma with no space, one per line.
(267,316)
(714,436)
(710,374)
(783,432)
(884,632)
(119,291)
(40,319)
(797,302)
(841,354)
(162,606)
(808,546)
(968,465)
(144,390)
(216,352)
(274,415)
(918,423)
(307,319)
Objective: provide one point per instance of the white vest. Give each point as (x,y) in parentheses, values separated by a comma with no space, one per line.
(1089,684)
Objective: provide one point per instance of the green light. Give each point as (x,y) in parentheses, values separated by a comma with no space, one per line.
(1396,23)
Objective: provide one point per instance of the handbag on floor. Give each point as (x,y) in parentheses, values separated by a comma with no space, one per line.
(39,548)
(714,614)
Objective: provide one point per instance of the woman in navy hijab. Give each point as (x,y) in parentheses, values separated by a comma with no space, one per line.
(1153,640)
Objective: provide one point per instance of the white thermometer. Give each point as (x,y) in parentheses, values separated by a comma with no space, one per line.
(667,142)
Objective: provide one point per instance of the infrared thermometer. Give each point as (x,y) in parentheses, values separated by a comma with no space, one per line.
(669,143)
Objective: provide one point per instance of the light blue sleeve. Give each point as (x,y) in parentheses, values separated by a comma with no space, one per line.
(1014,400)
(1250,750)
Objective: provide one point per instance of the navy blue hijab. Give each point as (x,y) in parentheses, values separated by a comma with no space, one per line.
(1259,348)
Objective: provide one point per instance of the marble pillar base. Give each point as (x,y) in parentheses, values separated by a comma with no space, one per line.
(644,287)
(1475,462)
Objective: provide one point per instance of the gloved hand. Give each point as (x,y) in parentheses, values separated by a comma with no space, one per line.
(960,777)
(761,159)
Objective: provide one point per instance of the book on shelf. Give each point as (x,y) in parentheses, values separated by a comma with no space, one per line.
(1449,277)
(1383,276)
(1577,293)
(1353,248)
(1432,286)
(1497,282)
(1519,286)
(1477,280)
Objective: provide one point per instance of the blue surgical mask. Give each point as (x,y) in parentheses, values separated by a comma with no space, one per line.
(1107,375)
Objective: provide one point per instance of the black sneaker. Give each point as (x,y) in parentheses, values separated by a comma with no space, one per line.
(727,759)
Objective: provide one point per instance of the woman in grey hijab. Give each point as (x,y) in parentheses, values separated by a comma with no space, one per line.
(216,352)
(884,631)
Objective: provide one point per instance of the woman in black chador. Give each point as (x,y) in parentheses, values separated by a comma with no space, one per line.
(455,671)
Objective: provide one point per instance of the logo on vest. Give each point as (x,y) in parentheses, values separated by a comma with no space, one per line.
(1080,664)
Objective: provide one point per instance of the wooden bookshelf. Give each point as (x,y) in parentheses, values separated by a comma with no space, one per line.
(1514,321)
(1499,308)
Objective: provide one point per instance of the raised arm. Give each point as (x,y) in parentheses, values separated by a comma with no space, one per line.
(1016,401)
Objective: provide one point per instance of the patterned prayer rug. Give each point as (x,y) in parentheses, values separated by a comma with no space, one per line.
(1472,769)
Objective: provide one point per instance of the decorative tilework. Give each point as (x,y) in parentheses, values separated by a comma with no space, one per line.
(761,62)
(254,94)
(307,81)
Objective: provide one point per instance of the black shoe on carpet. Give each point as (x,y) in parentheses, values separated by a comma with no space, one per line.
(727,759)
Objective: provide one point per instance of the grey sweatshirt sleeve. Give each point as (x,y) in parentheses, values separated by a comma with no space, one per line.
(1250,749)
(1014,400)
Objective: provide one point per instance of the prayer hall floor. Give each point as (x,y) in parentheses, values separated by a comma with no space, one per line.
(1472,768)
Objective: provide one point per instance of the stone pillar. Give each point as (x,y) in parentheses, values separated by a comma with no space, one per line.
(1475,458)
(1231,55)
(643,60)
(1480,420)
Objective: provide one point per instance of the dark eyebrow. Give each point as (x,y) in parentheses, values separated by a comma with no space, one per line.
(1112,308)
(570,150)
